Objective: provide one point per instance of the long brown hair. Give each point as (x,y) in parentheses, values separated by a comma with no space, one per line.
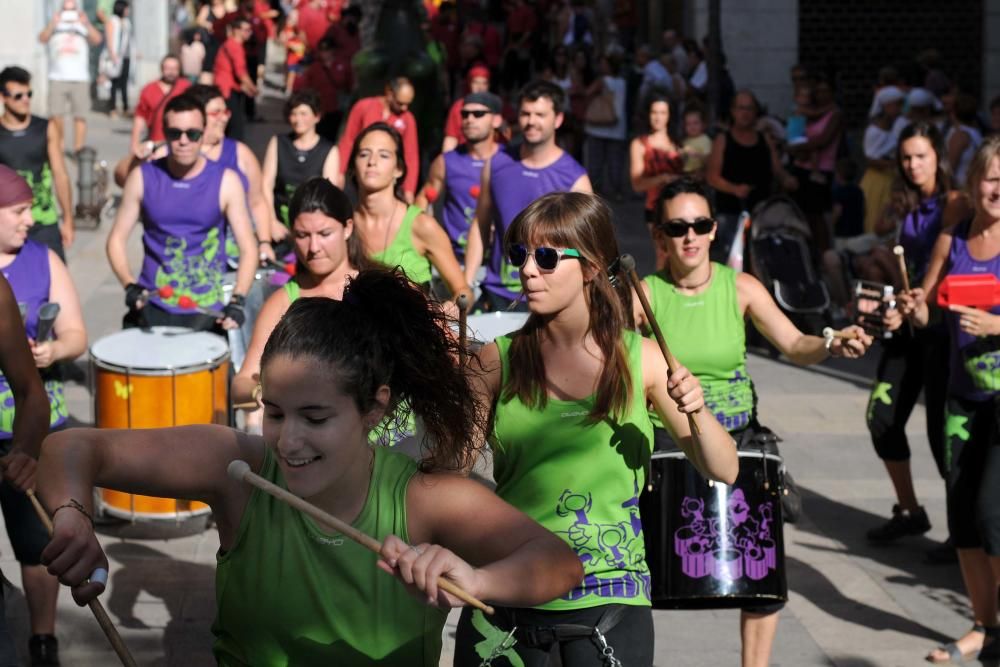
(580,221)
(319,194)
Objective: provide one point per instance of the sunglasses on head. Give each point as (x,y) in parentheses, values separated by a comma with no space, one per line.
(545,258)
(174,134)
(678,228)
(475,113)
(17,96)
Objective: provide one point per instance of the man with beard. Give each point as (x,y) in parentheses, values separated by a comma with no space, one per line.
(456,173)
(147,125)
(33,147)
(511,180)
(184,201)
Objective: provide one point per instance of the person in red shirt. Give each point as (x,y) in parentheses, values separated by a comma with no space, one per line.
(478,81)
(230,73)
(392,107)
(313,18)
(329,76)
(346,34)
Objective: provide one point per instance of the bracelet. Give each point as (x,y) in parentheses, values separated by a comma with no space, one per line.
(238,299)
(828,343)
(75,504)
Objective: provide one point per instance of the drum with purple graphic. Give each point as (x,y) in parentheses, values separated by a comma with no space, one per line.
(711,545)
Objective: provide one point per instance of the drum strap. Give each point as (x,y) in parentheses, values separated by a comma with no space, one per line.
(538,636)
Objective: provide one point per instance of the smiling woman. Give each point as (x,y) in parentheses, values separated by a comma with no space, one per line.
(331,371)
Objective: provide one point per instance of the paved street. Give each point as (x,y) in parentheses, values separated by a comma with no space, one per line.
(851,604)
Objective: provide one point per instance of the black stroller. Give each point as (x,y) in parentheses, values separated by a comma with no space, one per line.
(780,256)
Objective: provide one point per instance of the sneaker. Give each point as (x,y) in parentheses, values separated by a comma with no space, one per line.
(44,650)
(901,524)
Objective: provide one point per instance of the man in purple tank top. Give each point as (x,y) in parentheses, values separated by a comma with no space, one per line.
(184,202)
(511,180)
(456,173)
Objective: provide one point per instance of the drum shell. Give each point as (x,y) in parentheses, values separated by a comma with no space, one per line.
(701,558)
(130,398)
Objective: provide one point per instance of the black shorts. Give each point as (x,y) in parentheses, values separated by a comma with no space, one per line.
(972,460)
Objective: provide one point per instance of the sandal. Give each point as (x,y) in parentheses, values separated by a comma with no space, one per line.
(955,654)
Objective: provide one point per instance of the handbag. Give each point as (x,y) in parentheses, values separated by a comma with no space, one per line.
(601,109)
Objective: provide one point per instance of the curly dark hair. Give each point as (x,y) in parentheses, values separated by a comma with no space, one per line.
(386,332)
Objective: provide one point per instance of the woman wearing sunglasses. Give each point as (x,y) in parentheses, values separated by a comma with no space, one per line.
(396,233)
(701,306)
(571,438)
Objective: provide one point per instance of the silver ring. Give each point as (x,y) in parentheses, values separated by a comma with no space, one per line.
(99,576)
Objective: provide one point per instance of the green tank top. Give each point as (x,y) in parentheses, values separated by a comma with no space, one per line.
(707,334)
(292,291)
(582,482)
(402,253)
(288,593)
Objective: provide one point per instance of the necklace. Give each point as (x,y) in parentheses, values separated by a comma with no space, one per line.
(704,282)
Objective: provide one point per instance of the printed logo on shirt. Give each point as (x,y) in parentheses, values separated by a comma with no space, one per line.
(529,174)
(181,184)
(576,413)
(399,124)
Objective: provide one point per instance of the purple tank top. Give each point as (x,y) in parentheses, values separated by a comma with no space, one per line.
(918,234)
(975,362)
(30,279)
(463,173)
(513,187)
(229,159)
(183,237)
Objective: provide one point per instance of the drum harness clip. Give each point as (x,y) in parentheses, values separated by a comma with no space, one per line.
(538,636)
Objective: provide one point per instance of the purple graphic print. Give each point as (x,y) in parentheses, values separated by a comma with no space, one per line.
(740,546)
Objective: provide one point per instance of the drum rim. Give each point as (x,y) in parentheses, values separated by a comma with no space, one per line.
(161,371)
(743,453)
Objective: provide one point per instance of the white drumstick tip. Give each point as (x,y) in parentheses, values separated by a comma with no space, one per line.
(827,333)
(898,250)
(238,469)
(627,262)
(99,576)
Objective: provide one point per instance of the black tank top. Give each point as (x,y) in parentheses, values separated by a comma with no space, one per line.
(745,164)
(27,152)
(295,167)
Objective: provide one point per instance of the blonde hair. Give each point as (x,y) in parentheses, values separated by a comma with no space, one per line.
(989,149)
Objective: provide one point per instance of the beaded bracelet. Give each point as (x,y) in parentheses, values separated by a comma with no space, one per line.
(78,506)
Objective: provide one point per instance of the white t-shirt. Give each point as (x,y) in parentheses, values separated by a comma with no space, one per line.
(69,52)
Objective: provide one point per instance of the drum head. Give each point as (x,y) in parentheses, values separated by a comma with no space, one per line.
(159,350)
(486,327)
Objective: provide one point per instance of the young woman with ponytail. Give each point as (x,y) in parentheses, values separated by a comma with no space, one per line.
(287,591)
(572,439)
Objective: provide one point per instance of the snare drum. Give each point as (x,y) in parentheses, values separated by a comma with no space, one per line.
(166,376)
(487,327)
(871,302)
(711,545)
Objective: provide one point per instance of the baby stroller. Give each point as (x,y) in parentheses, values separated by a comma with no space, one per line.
(781,258)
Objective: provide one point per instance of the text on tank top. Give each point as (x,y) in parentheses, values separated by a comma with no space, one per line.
(30,279)
(462,175)
(183,237)
(295,167)
(581,481)
(707,334)
(26,151)
(656,161)
(745,164)
(513,186)
(288,593)
(401,252)
(975,361)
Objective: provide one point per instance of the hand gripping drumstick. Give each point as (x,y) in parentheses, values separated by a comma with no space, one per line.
(830,334)
(463,324)
(95,605)
(898,252)
(626,264)
(240,470)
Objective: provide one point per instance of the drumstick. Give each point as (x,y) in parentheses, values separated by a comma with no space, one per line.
(249,405)
(95,605)
(463,320)
(240,470)
(626,264)
(843,335)
(898,251)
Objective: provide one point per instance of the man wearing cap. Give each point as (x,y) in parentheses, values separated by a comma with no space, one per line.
(456,173)
(33,147)
(392,107)
(511,180)
(478,80)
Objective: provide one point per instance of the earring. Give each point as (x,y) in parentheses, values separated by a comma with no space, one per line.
(711,237)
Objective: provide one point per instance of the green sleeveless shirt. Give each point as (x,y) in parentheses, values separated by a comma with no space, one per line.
(582,482)
(290,594)
(707,334)
(402,253)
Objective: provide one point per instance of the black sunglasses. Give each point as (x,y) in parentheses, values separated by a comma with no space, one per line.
(174,134)
(475,113)
(546,258)
(678,228)
(17,96)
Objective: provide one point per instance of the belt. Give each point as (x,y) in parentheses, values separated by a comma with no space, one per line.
(544,636)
